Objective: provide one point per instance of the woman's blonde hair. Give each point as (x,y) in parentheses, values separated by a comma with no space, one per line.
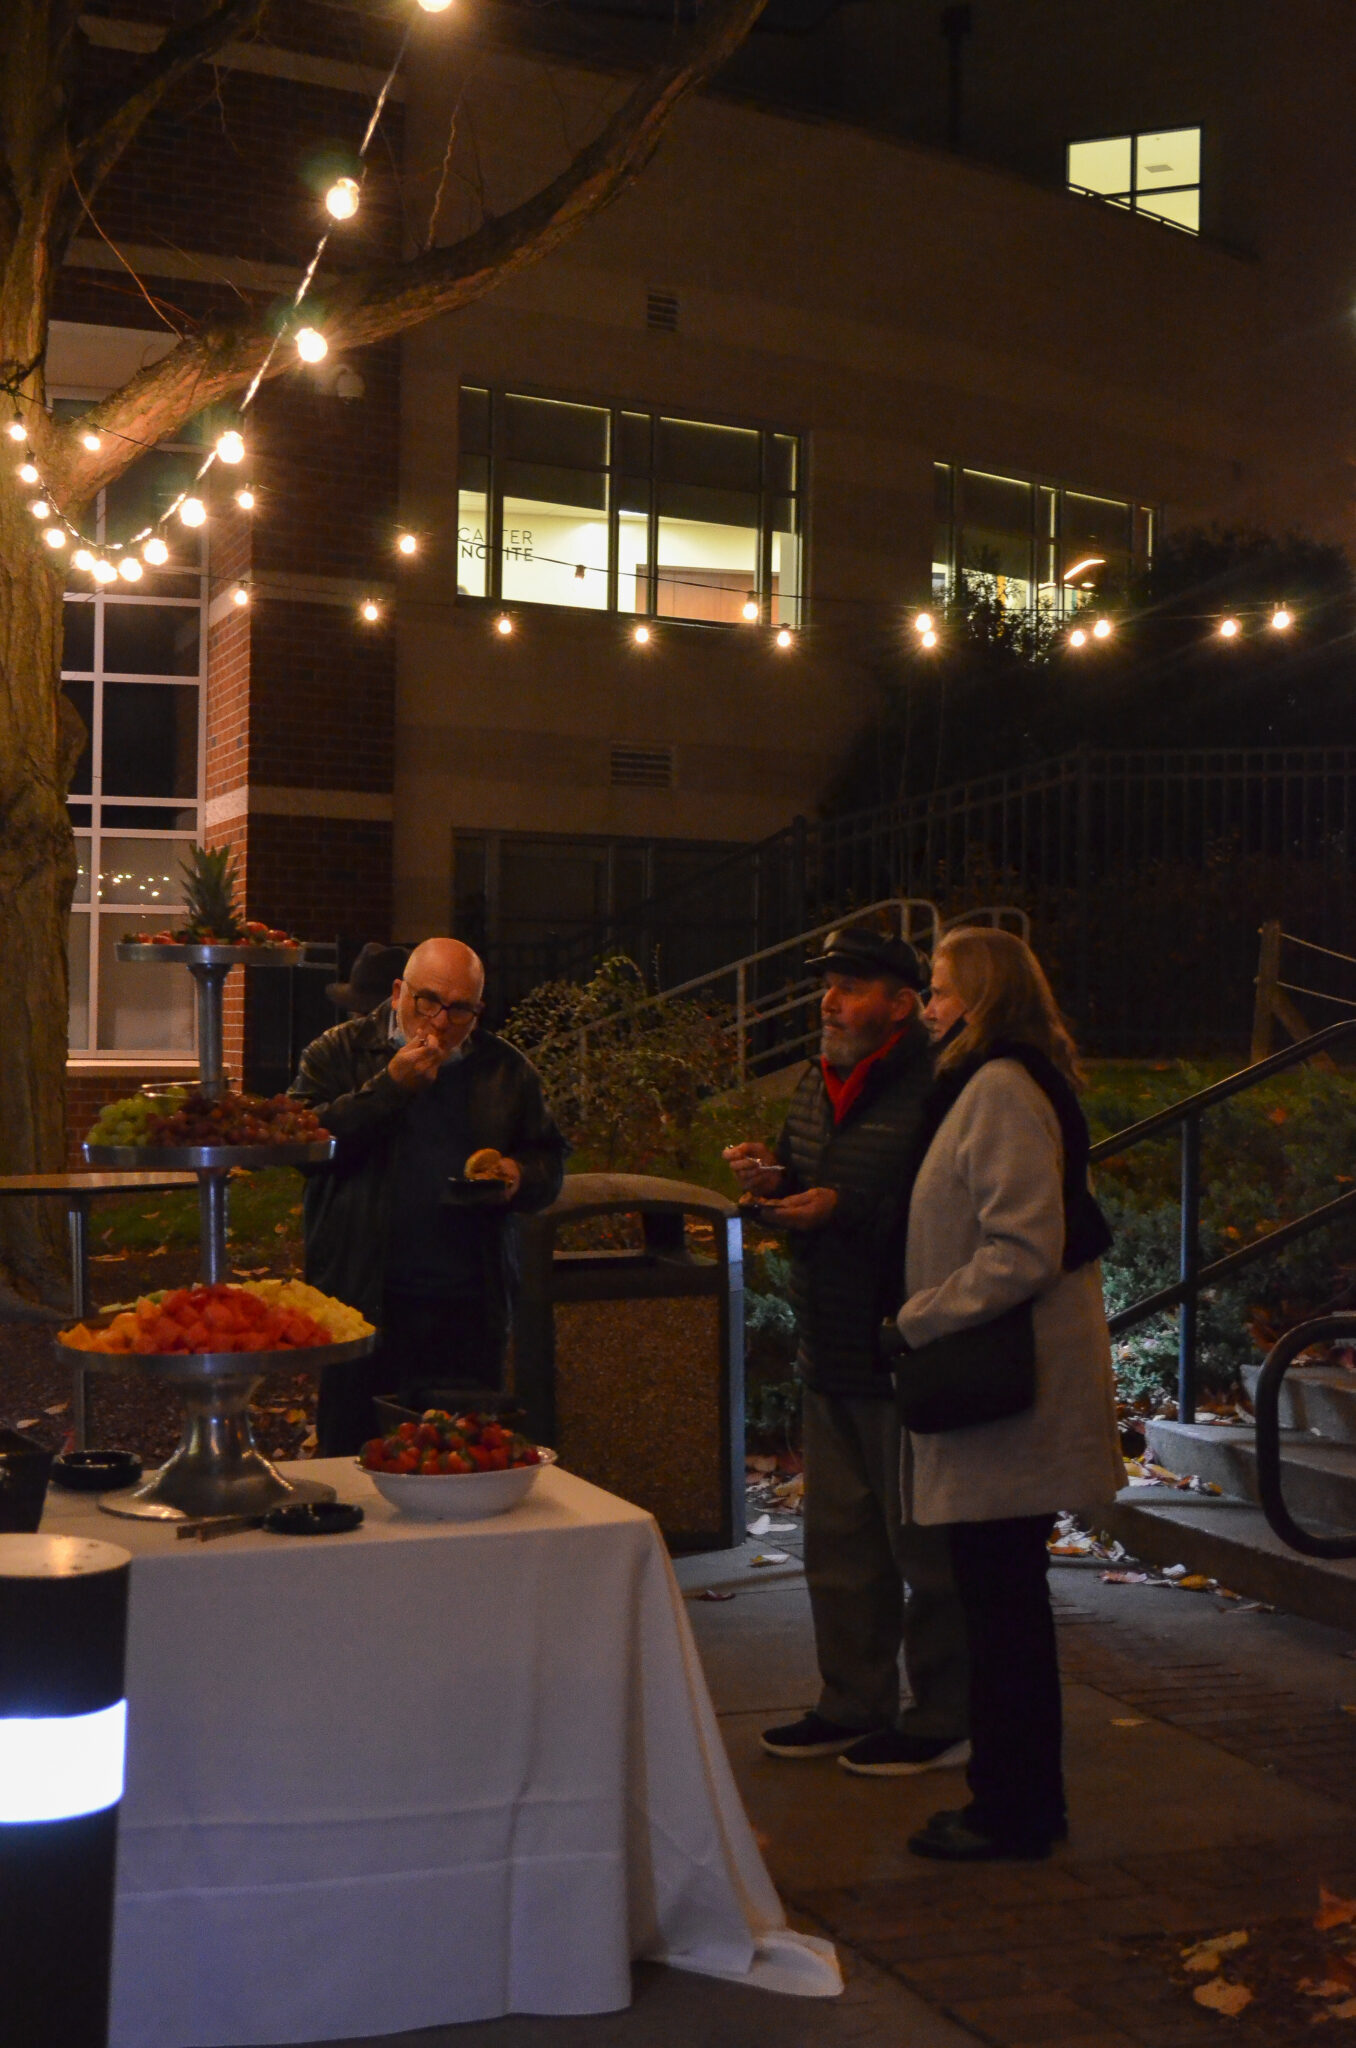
(1006,995)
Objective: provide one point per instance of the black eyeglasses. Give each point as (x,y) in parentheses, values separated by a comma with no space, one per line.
(427,1006)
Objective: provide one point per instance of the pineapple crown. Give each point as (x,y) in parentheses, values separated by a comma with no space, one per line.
(210,879)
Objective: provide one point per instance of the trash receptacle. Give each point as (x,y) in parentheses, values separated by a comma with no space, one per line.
(631,1363)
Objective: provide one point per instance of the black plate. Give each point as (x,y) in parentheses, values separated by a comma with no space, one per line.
(313,1518)
(475,1194)
(95,1471)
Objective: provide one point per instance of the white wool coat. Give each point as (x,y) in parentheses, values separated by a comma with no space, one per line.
(986,1230)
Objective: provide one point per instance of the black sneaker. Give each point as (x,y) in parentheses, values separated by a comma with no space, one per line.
(955,1838)
(812,1735)
(891,1754)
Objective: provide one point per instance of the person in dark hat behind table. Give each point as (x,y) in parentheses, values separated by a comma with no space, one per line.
(417,1094)
(839,1184)
(369,978)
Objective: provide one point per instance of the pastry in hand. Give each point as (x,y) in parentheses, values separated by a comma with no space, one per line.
(484,1164)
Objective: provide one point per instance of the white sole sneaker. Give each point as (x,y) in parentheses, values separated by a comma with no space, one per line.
(947,1759)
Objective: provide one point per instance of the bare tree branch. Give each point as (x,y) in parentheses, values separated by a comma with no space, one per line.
(375,304)
(115,123)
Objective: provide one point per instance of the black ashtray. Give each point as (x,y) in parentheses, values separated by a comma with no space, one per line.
(475,1194)
(313,1518)
(96,1471)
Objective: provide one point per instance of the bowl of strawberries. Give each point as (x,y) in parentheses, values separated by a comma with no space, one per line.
(454,1468)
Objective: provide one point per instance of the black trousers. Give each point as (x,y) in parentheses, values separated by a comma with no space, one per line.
(1016,1717)
(423,1343)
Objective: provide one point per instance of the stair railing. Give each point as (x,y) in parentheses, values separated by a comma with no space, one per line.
(1192,1277)
(1266,1401)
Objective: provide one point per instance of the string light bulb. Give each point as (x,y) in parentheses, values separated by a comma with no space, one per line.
(17,431)
(1228,629)
(312,346)
(103,572)
(82,559)
(435,6)
(231,446)
(155,552)
(245,499)
(129,568)
(1102,630)
(923,623)
(641,636)
(784,637)
(407,544)
(193,512)
(1281,620)
(341,201)
(40,509)
(28,472)
(94,442)
(750,607)
(369,610)
(55,536)
(503,624)
(928,639)
(1078,638)
(240,596)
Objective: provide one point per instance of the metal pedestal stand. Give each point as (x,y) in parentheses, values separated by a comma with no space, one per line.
(217,1469)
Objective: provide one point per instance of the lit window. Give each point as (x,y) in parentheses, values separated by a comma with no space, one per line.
(613,510)
(1032,546)
(132,666)
(1157,173)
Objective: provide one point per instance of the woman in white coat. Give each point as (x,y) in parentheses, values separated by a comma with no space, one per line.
(1002,1214)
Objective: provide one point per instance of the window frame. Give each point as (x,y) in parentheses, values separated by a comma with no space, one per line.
(791,607)
(1044,492)
(92,805)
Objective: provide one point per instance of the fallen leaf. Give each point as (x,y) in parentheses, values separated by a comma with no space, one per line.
(29,1422)
(1222,1996)
(1205,1955)
(1194,1582)
(1333,1910)
(1345,2011)
(712,1593)
(760,1525)
(760,1463)
(771,1557)
(1129,1721)
(59,1408)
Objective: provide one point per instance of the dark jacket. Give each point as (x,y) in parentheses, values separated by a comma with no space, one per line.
(848,1275)
(344,1079)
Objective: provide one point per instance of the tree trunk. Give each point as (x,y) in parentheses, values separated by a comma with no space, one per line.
(39,744)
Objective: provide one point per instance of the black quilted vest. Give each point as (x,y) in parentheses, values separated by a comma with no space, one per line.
(850,1273)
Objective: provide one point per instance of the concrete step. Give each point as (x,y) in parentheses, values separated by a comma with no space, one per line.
(1317,1398)
(1231,1542)
(1318,1477)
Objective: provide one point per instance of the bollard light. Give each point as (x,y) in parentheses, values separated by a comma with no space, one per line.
(63,1720)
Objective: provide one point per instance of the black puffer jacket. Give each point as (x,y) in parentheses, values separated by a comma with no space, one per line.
(850,1274)
(344,1079)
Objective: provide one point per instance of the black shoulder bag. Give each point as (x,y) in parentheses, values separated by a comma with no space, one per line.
(981,1374)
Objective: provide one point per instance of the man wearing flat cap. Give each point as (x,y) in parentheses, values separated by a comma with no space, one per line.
(418,1097)
(839,1184)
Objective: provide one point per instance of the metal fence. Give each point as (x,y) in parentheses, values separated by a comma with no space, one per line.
(1146,875)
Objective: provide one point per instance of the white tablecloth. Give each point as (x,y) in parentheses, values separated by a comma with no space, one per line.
(421,1773)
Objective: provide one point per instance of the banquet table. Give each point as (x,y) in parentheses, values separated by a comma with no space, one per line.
(421,1773)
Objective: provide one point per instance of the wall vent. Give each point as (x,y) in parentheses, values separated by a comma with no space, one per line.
(661,311)
(642,767)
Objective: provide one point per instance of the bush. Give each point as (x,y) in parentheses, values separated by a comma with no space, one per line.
(625,1083)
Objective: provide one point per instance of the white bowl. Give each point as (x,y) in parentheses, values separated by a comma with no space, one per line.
(459,1496)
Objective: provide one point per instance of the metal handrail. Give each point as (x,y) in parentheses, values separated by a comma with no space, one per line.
(1266,1401)
(1185,1293)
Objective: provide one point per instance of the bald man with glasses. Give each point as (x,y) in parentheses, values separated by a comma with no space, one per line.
(411,1092)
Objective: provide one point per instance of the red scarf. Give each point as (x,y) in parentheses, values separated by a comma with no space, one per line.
(843,1090)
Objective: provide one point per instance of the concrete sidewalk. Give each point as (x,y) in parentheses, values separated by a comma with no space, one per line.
(1212,1776)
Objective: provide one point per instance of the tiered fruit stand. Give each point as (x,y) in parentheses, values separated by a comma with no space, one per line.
(217,1469)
